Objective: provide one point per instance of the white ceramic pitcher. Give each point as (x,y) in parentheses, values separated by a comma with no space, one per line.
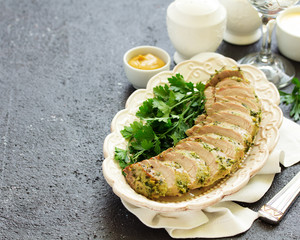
(195,26)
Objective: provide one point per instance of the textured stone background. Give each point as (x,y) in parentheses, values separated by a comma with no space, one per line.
(61,83)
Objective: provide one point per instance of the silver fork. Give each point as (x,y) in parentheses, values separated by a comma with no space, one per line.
(276,208)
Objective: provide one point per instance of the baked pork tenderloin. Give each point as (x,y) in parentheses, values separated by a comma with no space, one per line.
(215,145)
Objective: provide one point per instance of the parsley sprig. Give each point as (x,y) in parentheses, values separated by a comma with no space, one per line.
(292,98)
(163,120)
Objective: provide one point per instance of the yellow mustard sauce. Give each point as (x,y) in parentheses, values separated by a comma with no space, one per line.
(146,62)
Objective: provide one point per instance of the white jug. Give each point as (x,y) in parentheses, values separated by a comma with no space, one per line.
(195,26)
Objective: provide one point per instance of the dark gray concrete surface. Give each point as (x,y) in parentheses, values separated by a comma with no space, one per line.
(61,83)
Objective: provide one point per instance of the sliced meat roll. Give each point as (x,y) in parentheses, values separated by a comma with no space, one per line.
(176,177)
(235,132)
(210,98)
(146,181)
(195,166)
(218,163)
(223,74)
(252,104)
(237,118)
(241,91)
(228,146)
(215,145)
(226,105)
(233,81)
(154,178)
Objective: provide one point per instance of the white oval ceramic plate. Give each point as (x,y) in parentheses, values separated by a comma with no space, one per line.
(195,71)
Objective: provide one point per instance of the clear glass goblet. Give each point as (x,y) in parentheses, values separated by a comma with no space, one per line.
(277,69)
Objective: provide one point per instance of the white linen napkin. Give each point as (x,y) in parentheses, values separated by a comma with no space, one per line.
(227,218)
(289,142)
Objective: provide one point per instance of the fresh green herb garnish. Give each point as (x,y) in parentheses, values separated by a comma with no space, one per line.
(293,99)
(163,120)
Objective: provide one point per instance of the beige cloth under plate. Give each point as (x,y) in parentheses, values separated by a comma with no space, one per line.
(227,218)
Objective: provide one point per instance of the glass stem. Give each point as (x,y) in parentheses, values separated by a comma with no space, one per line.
(268,24)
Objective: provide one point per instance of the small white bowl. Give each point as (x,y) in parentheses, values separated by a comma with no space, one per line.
(288,37)
(139,77)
